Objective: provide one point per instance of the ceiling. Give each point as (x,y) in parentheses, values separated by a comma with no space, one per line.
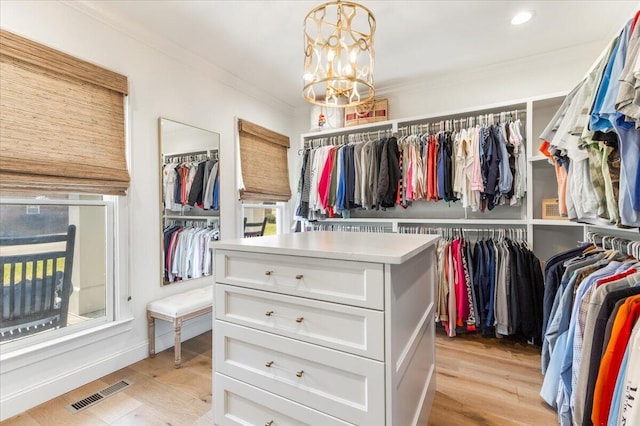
(260,42)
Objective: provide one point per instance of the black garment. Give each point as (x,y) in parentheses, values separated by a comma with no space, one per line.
(493,156)
(449,195)
(597,345)
(195,192)
(178,190)
(609,138)
(525,301)
(351,177)
(553,271)
(537,282)
(514,309)
(512,164)
(479,274)
(383,170)
(166,239)
(305,176)
(394,174)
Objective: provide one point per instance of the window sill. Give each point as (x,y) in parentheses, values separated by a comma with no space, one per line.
(19,357)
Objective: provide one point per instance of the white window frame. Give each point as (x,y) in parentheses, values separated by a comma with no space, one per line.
(113,270)
(280,208)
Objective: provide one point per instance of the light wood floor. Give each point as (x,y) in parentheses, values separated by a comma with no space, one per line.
(479,382)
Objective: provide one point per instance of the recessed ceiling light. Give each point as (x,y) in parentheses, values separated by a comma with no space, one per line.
(521,17)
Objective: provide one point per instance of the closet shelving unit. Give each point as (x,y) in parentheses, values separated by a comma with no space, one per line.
(546,237)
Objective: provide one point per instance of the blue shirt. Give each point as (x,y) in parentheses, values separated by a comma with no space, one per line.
(342,182)
(604,106)
(616,399)
(556,337)
(629,197)
(566,385)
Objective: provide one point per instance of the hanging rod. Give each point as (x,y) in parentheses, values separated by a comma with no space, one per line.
(469,121)
(192,155)
(347,138)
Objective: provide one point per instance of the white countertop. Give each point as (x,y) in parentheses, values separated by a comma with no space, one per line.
(359,246)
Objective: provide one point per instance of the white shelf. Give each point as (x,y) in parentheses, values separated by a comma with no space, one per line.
(537,158)
(548,222)
(613,229)
(215,216)
(443,221)
(356,220)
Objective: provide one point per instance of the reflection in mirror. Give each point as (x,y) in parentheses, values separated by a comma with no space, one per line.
(190,199)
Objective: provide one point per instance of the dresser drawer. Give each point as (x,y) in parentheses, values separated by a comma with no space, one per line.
(237,403)
(346,386)
(346,328)
(351,283)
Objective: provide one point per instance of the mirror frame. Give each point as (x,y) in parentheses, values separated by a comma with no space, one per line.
(190,150)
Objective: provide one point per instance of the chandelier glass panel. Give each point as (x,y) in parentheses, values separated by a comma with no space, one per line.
(338,62)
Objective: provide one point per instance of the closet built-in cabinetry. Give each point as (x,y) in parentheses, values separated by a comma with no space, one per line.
(545,236)
(324,328)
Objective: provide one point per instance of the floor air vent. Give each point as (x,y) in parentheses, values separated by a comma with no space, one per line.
(99,396)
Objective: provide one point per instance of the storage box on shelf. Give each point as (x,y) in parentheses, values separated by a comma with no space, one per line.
(369,112)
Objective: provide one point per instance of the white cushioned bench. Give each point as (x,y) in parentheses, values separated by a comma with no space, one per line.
(178,308)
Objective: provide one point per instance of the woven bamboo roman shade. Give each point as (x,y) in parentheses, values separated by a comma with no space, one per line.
(263,160)
(61,122)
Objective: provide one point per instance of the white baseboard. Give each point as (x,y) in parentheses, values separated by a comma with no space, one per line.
(38,392)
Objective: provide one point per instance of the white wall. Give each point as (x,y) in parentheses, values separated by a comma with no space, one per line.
(553,72)
(164,81)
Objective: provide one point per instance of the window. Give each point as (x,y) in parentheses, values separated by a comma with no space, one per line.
(257,213)
(90,302)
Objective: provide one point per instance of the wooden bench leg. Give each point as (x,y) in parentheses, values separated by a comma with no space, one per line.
(152,335)
(177,325)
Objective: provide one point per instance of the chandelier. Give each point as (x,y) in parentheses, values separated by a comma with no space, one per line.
(338,54)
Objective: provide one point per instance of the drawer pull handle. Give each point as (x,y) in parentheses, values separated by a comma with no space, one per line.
(299,276)
(269,423)
(268,272)
(268,363)
(268,313)
(299,319)
(299,373)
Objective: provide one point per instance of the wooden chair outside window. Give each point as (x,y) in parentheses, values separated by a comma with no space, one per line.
(254,229)
(35,283)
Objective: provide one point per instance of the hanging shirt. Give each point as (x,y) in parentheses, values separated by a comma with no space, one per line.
(441,167)
(629,148)
(603,112)
(628,388)
(612,357)
(506,176)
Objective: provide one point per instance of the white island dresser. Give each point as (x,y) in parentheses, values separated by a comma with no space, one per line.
(324,328)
